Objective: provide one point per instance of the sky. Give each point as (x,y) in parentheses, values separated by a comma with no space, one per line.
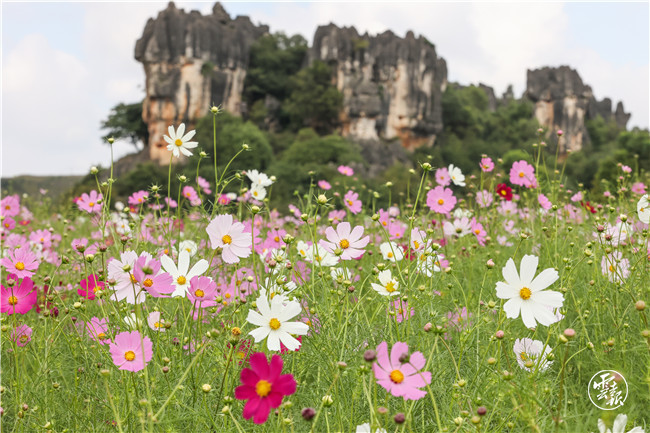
(64,65)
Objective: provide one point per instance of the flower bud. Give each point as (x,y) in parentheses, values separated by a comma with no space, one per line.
(308,413)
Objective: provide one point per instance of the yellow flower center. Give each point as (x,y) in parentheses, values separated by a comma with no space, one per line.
(441,201)
(263,388)
(416,244)
(181,280)
(130,355)
(389,255)
(384,223)
(274,324)
(390,287)
(302,253)
(503,192)
(178,142)
(611,268)
(344,244)
(157,325)
(350,202)
(132,277)
(199,293)
(96,288)
(226,239)
(101,336)
(397,376)
(477,231)
(227,295)
(148,282)
(521,174)
(523,355)
(241,355)
(20,266)
(91,204)
(525,293)
(12,300)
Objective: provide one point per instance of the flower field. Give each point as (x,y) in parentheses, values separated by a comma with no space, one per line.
(490,302)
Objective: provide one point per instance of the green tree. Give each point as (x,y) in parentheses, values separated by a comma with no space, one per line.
(125,122)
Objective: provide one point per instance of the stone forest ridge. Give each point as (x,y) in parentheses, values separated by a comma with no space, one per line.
(392,87)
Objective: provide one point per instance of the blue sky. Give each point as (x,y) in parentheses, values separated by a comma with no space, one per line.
(64,65)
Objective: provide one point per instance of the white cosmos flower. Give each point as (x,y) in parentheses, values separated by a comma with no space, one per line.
(178,143)
(258,179)
(619,426)
(525,292)
(273,321)
(643,209)
(258,192)
(365,428)
(391,251)
(457,176)
(388,286)
(189,246)
(530,350)
(182,273)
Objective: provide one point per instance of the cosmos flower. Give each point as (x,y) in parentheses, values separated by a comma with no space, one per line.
(178,143)
(486,165)
(391,251)
(263,386)
(615,267)
(346,240)
(504,191)
(345,170)
(457,176)
(21,335)
(387,284)
(273,321)
(202,292)
(182,274)
(21,262)
(352,202)
(523,174)
(18,298)
(230,236)
(643,209)
(441,200)
(442,176)
(131,351)
(324,185)
(525,292)
(97,330)
(90,286)
(484,198)
(91,203)
(258,179)
(619,425)
(544,202)
(400,373)
(531,350)
(155,322)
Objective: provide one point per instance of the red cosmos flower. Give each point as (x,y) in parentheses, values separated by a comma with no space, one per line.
(504,191)
(588,206)
(263,387)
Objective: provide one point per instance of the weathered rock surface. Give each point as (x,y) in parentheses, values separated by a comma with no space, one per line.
(392,86)
(192,62)
(563,101)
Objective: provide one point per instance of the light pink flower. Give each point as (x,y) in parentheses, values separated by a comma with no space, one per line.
(138,198)
(486,165)
(350,242)
(626,169)
(21,335)
(345,170)
(229,235)
(400,373)
(324,185)
(202,292)
(638,188)
(97,330)
(615,267)
(191,195)
(523,174)
(544,202)
(484,198)
(441,200)
(352,202)
(204,185)
(577,197)
(442,176)
(402,310)
(10,205)
(336,216)
(478,231)
(131,351)
(21,262)
(90,203)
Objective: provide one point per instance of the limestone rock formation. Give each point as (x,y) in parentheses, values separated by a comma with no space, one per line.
(392,86)
(563,101)
(192,62)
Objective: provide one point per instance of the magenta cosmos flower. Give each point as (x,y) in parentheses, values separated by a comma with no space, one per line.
(202,292)
(91,203)
(523,174)
(21,335)
(352,202)
(350,242)
(131,351)
(441,200)
(18,299)
(345,170)
(400,373)
(90,286)
(263,386)
(230,236)
(10,205)
(21,262)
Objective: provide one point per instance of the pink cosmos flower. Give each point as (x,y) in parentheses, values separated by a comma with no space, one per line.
(615,267)
(263,386)
(400,373)
(484,198)
(544,202)
(131,351)
(90,203)
(204,185)
(523,174)
(350,242)
(441,200)
(21,262)
(89,286)
(9,223)
(41,237)
(576,197)
(154,321)
(138,198)
(324,185)
(638,188)
(230,236)
(352,202)
(442,176)
(336,216)
(478,231)
(191,195)
(459,320)
(21,335)
(345,170)
(171,202)
(402,311)
(626,169)
(148,275)
(202,292)
(10,205)
(486,165)
(18,299)
(97,330)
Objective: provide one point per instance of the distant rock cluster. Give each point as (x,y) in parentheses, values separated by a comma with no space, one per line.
(392,86)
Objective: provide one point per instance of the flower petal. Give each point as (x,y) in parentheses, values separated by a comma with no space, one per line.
(544,279)
(527,269)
